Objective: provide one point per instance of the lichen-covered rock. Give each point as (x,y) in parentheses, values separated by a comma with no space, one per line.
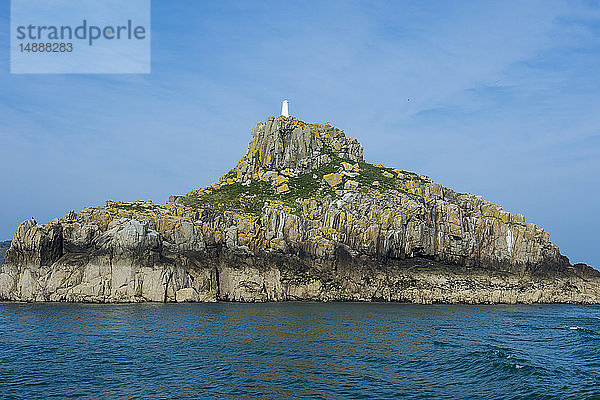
(287,143)
(333,179)
(351,185)
(283,188)
(301,217)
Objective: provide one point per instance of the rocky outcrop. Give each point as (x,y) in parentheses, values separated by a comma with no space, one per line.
(289,144)
(301,217)
(3,247)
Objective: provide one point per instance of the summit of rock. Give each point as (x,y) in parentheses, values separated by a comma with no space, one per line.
(286,143)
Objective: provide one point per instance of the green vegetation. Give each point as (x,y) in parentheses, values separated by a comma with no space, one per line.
(248,199)
(305,186)
(251,198)
(370,173)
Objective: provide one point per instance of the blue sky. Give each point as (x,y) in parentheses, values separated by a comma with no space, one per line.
(504,102)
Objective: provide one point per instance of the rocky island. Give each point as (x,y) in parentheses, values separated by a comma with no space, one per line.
(301,216)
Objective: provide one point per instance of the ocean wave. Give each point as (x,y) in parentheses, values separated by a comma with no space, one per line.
(578,328)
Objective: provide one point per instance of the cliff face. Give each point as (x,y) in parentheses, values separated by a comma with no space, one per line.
(3,247)
(301,217)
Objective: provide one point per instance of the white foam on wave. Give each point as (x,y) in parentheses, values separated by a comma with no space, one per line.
(575,328)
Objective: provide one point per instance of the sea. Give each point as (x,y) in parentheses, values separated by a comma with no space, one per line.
(299,350)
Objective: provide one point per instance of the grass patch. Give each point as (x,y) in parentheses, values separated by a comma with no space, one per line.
(251,198)
(304,186)
(234,197)
(370,173)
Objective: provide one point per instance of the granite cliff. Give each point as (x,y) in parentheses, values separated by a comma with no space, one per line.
(3,247)
(301,216)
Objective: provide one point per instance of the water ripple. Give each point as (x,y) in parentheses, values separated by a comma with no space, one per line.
(298,350)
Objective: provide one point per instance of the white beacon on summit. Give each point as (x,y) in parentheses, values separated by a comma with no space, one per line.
(285,109)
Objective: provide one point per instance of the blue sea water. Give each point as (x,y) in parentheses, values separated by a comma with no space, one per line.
(299,350)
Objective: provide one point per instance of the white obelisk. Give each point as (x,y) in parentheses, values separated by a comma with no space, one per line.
(284,109)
